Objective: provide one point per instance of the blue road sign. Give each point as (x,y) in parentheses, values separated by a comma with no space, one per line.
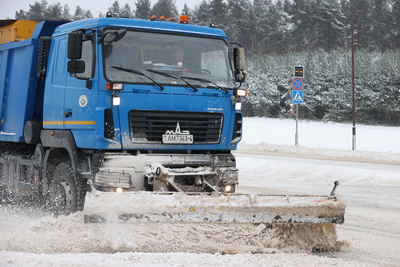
(297,83)
(297,97)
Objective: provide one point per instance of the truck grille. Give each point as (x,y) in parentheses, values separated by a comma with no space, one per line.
(149,126)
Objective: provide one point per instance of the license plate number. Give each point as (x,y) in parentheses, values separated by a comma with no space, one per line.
(177,139)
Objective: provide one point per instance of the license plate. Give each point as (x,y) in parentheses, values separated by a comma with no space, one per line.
(177,139)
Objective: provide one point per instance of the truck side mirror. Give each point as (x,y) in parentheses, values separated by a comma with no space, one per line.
(239,63)
(76,66)
(239,59)
(75,40)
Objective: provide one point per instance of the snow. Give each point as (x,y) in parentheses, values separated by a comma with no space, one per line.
(269,163)
(321,135)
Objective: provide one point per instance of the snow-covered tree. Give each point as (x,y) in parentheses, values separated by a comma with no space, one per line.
(54,12)
(126,12)
(79,13)
(20,14)
(186,10)
(66,12)
(143,9)
(240,29)
(201,14)
(115,9)
(166,8)
(37,10)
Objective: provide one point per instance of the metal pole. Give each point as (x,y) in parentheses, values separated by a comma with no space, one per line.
(353,84)
(296,136)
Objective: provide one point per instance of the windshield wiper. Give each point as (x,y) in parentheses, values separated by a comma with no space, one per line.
(206,81)
(139,73)
(171,75)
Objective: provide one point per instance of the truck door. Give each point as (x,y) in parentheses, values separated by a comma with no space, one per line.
(56,76)
(80,98)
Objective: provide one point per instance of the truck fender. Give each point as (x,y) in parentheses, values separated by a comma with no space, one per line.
(61,141)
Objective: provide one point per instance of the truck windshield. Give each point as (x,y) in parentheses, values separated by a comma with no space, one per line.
(203,59)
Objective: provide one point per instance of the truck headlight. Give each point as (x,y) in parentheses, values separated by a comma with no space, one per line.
(238,106)
(228,188)
(241,92)
(116,100)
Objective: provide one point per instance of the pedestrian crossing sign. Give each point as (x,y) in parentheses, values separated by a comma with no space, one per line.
(297,97)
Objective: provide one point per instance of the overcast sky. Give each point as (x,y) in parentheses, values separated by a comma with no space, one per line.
(8,7)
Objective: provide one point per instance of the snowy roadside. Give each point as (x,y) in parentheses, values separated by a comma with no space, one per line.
(321,140)
(374,157)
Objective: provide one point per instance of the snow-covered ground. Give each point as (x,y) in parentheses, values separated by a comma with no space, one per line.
(321,135)
(269,163)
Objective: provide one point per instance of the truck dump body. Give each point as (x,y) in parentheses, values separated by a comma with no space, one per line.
(16,30)
(21,91)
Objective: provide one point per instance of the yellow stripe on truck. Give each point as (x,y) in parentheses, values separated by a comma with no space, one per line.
(69,123)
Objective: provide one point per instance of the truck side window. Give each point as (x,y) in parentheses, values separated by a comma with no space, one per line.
(88,58)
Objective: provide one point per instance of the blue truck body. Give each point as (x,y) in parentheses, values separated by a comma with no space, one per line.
(69,118)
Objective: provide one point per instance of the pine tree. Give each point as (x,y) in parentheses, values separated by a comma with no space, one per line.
(186,11)
(240,27)
(66,13)
(331,29)
(284,26)
(143,9)
(37,10)
(54,12)
(115,9)
(345,19)
(88,14)
(218,14)
(383,24)
(201,14)
(79,13)
(126,12)
(362,23)
(262,25)
(166,8)
(396,23)
(20,14)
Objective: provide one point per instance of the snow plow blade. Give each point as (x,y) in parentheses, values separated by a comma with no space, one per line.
(211,207)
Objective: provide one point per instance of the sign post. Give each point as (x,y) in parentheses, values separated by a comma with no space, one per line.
(297,97)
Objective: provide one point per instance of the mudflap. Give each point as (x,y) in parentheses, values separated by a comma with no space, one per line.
(176,207)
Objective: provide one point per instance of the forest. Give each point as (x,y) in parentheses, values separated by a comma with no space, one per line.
(279,35)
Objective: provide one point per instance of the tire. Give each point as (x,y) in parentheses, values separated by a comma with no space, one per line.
(66,191)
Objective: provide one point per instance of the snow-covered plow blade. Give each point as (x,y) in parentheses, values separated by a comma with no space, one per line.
(211,207)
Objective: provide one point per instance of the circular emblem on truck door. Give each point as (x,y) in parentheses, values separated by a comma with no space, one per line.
(83,100)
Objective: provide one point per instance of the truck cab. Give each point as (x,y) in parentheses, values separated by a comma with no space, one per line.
(130,94)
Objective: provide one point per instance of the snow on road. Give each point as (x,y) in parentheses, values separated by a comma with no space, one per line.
(370,183)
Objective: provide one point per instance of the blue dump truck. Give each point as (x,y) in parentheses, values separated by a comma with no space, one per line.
(136,118)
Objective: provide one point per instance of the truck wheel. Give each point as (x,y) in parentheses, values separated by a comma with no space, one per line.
(64,191)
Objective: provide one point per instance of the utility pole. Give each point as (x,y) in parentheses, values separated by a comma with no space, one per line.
(353,79)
